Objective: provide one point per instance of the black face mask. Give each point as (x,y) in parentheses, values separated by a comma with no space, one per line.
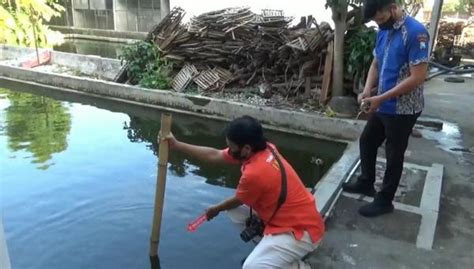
(388,25)
(236,154)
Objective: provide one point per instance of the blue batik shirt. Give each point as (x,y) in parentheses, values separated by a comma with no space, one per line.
(396,50)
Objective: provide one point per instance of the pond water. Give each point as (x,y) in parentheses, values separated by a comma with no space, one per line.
(78,180)
(90,47)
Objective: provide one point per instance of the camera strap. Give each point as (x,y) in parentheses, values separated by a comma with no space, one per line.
(283,189)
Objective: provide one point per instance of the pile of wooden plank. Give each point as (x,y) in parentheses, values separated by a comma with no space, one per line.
(467,40)
(448,33)
(452,43)
(238,47)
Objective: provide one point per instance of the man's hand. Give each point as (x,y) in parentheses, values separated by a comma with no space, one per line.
(225,205)
(172,141)
(362,96)
(374,101)
(212,212)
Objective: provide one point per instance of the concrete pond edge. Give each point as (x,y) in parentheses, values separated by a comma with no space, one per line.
(325,190)
(4,258)
(335,129)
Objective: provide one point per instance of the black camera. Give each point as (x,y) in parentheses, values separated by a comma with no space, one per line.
(253,227)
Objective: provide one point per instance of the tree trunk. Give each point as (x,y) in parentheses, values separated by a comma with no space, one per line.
(339,15)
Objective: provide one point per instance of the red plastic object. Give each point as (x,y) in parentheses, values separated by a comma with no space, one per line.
(192,227)
(44,58)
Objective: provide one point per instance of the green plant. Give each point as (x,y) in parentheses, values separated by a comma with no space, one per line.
(360,43)
(21,20)
(358,55)
(329,112)
(157,78)
(138,56)
(461,6)
(145,65)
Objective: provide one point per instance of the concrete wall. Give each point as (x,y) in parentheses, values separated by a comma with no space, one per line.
(88,64)
(121,15)
(147,19)
(90,18)
(311,122)
(8,52)
(99,32)
(308,122)
(78,8)
(328,188)
(138,16)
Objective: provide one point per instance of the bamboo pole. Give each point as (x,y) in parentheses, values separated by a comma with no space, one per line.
(160,184)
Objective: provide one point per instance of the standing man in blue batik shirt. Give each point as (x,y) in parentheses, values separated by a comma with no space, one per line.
(398,71)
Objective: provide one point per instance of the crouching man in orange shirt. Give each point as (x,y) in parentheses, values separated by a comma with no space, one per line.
(270,200)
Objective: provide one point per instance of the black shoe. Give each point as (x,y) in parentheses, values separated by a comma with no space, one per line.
(376,208)
(360,187)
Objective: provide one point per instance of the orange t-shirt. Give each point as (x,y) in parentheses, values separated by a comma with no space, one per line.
(259,188)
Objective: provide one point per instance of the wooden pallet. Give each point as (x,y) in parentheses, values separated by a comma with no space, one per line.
(206,79)
(184,77)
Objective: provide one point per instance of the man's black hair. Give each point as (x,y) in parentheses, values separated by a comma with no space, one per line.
(246,131)
(372,6)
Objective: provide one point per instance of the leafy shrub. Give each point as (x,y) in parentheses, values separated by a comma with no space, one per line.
(360,43)
(145,65)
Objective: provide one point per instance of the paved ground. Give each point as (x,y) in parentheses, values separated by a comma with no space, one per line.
(353,241)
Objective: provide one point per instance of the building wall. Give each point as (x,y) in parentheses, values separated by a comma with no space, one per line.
(136,15)
(119,15)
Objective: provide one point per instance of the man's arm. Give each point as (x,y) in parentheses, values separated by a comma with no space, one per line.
(228,204)
(372,76)
(202,153)
(206,154)
(416,78)
(371,82)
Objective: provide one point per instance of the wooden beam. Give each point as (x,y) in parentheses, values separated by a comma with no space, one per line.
(326,87)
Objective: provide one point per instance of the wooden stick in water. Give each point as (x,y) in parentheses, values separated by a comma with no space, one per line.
(160,184)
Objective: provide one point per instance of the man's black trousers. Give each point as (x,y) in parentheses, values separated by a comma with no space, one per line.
(395,130)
